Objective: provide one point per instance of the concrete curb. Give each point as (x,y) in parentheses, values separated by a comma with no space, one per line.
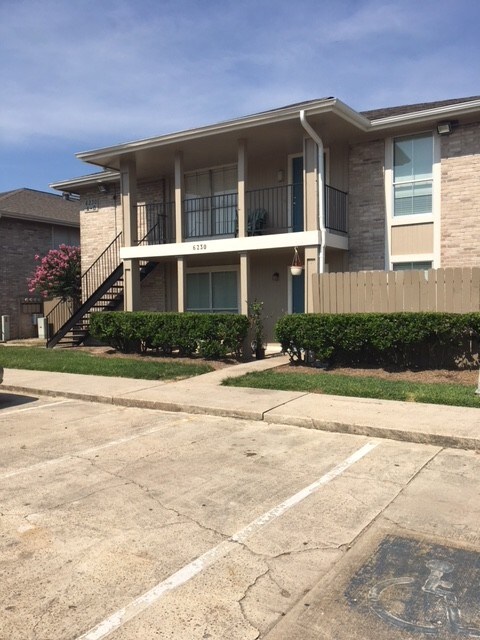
(418,437)
(438,425)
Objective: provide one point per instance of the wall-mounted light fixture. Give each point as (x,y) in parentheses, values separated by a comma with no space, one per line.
(280,175)
(444,128)
(276,276)
(103,188)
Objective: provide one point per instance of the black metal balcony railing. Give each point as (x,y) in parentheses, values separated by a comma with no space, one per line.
(210,216)
(335,209)
(156,223)
(270,210)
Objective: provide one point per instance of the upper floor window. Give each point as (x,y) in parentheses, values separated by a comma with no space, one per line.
(412,175)
(211,202)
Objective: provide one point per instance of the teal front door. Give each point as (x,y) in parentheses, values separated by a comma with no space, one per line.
(297,194)
(298,293)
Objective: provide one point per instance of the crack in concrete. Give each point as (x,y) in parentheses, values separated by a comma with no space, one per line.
(241,601)
(381,513)
(41,617)
(152,496)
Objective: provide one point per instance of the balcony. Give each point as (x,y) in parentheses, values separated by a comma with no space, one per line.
(271,210)
(156,223)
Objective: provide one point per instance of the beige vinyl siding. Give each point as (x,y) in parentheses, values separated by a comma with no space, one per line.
(412,239)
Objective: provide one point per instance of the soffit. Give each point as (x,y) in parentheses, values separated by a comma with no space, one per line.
(219,148)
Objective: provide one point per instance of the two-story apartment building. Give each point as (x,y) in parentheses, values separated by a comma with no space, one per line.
(217,212)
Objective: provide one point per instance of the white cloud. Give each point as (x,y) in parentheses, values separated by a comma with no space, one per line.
(111,71)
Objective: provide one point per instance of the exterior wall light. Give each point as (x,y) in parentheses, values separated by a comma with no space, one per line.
(276,276)
(444,128)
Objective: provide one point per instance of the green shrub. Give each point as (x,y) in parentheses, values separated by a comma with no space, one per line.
(386,339)
(214,335)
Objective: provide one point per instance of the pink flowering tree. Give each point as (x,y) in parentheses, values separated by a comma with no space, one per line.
(58,274)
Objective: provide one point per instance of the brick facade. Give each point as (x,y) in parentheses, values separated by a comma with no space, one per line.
(366,207)
(20,240)
(100,226)
(460,197)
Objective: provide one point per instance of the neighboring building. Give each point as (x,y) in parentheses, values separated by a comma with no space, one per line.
(31,222)
(217,211)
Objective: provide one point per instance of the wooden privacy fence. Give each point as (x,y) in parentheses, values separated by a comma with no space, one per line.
(454,290)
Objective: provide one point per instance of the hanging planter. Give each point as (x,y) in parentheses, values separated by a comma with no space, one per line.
(297,266)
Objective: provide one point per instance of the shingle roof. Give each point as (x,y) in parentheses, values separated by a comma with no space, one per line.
(377,114)
(39,205)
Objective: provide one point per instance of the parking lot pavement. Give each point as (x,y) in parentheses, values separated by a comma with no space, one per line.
(129,523)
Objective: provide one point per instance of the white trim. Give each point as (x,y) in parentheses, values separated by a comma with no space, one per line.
(207,246)
(414,219)
(427,114)
(388,178)
(437,201)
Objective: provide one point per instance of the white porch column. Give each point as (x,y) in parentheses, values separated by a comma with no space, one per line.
(128,192)
(179,234)
(242,181)
(244,282)
(179,195)
(181,284)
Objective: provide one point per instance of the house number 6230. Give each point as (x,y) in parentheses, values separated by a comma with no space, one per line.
(199,247)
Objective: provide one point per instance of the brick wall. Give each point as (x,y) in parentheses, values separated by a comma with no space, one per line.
(153,292)
(460,228)
(99,227)
(19,242)
(366,206)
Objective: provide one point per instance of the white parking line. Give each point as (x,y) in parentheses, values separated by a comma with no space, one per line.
(86,452)
(189,571)
(35,408)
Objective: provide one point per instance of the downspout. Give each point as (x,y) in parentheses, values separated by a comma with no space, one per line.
(321,189)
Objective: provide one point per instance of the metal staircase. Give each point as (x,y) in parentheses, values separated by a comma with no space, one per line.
(102,290)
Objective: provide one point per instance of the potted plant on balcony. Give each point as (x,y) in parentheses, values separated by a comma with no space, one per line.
(255,315)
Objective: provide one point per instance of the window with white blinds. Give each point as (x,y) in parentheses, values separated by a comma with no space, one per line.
(412,175)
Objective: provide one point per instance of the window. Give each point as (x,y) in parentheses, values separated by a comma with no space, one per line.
(212,292)
(211,202)
(407,266)
(412,175)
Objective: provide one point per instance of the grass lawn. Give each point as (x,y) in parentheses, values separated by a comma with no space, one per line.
(69,361)
(360,387)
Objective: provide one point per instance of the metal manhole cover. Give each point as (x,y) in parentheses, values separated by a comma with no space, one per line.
(427,590)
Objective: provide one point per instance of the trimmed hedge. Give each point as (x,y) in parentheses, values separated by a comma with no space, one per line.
(387,339)
(212,335)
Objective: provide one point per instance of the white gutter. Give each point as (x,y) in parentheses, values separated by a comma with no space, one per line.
(436,113)
(321,189)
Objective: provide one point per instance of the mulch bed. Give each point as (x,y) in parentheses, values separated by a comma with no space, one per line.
(432,376)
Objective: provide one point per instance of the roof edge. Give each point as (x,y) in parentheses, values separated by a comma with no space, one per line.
(264,117)
(461,108)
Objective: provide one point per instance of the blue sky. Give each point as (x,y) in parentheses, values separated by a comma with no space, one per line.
(82,74)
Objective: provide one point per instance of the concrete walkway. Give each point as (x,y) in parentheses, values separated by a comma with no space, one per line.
(421,423)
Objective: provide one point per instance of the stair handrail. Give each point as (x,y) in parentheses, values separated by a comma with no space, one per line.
(108,260)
